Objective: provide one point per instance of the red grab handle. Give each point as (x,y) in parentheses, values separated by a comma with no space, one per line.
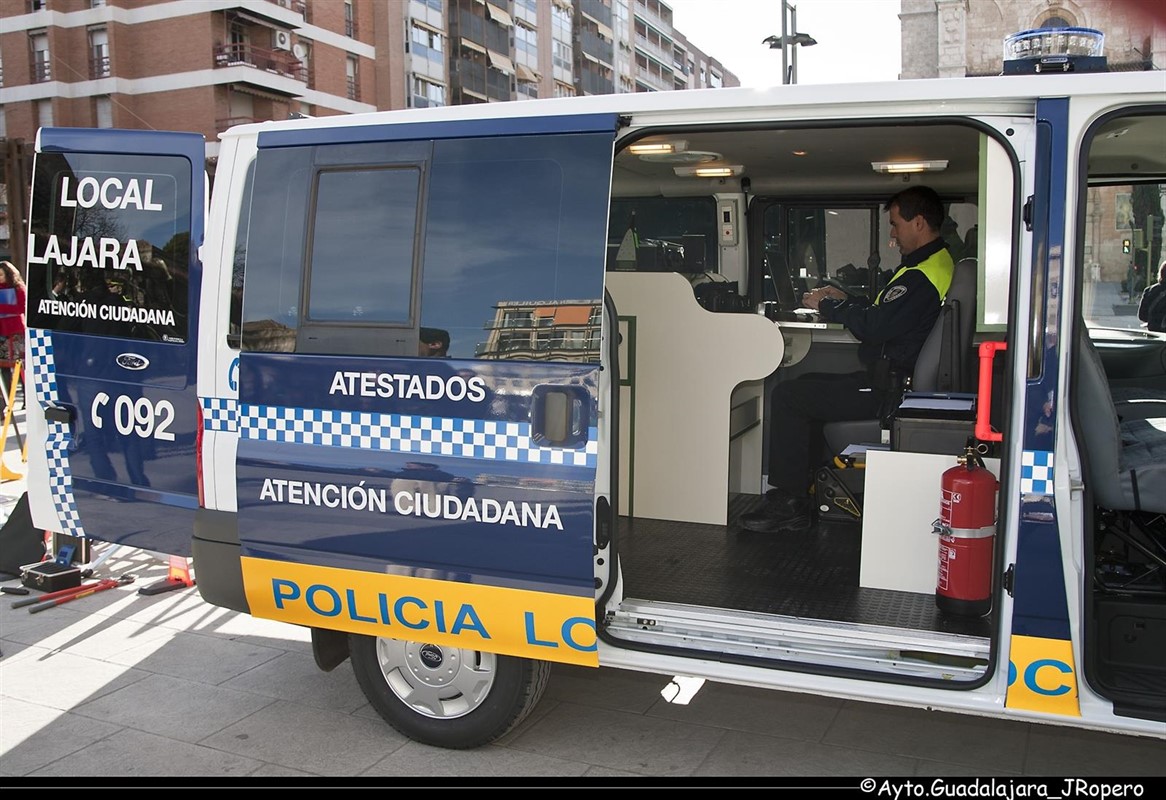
(984,430)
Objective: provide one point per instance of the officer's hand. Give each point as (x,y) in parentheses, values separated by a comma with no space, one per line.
(814,298)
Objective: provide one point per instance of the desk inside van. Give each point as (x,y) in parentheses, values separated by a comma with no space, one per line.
(691,399)
(802,334)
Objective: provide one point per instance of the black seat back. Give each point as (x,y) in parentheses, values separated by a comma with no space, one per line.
(946,361)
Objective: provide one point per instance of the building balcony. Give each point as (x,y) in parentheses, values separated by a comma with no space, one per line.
(652,16)
(653,50)
(597,11)
(277,62)
(266,14)
(653,81)
(599,48)
(42,71)
(298,6)
(98,67)
(594,82)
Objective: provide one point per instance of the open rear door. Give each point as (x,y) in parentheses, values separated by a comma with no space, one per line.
(113,273)
(450,500)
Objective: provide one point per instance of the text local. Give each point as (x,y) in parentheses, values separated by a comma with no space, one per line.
(111,193)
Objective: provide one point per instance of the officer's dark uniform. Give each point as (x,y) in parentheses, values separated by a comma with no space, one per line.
(894,327)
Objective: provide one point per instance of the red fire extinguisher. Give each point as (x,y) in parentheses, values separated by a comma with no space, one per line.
(967,529)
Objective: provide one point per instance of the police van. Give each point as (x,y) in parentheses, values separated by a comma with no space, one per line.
(471,390)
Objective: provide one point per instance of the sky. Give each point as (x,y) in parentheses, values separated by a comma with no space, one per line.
(858,40)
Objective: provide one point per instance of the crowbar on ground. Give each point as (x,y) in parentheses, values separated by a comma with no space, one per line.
(50,595)
(85,591)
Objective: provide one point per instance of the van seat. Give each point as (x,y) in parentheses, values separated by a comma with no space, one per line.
(1125,462)
(1136,402)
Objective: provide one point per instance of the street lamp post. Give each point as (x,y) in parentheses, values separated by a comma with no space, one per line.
(789,41)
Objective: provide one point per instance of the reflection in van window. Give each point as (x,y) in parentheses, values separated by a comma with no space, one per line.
(515,227)
(239,261)
(277,219)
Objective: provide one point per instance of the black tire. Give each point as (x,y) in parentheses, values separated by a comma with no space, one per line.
(445,696)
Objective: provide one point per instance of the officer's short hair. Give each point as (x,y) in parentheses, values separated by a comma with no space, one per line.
(916,200)
(435,336)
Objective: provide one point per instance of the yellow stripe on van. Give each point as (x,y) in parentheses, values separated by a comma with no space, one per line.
(1042,677)
(517,622)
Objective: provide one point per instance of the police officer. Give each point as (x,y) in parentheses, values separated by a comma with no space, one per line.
(890,331)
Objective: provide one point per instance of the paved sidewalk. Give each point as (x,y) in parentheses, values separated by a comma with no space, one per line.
(121,685)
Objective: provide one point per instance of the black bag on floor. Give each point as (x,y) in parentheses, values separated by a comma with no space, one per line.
(20,543)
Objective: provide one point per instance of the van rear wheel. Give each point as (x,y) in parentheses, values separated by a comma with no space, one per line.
(446,696)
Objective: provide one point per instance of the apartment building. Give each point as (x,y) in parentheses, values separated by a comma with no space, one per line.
(205,65)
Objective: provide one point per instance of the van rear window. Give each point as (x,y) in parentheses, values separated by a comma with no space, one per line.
(109,246)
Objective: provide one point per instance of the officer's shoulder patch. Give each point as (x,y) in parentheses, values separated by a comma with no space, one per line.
(894,293)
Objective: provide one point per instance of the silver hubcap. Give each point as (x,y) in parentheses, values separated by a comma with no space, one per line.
(436,681)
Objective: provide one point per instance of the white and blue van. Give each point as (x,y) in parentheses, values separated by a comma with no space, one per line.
(244,376)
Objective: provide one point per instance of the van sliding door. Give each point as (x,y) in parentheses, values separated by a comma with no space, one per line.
(419,381)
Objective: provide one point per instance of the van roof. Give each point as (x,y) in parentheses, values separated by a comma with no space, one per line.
(945,94)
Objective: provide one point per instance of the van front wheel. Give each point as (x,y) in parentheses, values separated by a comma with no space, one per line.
(446,696)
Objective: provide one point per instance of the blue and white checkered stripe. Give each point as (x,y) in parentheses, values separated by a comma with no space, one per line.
(220,413)
(43,374)
(444,436)
(1036,472)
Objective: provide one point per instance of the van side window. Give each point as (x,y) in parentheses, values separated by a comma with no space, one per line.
(271,297)
(239,261)
(331,255)
(514,245)
(110,245)
(363,236)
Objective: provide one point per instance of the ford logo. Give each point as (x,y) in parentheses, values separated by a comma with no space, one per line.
(132,361)
(431,655)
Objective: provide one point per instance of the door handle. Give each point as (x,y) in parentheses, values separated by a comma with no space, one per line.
(560,416)
(61,414)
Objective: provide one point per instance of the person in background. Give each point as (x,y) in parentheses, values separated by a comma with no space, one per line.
(890,331)
(12,300)
(1152,309)
(64,285)
(433,343)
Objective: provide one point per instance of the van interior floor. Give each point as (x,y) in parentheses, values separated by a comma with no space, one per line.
(809,574)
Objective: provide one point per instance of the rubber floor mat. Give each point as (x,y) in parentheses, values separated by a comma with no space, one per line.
(811,574)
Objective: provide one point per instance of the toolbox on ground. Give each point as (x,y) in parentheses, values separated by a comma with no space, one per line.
(51,576)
